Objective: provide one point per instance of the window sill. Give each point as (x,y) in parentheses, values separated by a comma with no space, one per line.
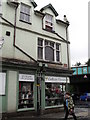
(25,109)
(25,22)
(51,31)
(47,61)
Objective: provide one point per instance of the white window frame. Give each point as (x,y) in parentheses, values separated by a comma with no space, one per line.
(25,13)
(55,50)
(48,22)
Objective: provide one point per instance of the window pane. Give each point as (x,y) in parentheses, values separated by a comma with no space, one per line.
(49,18)
(40,41)
(25,13)
(27,10)
(46,42)
(40,53)
(27,18)
(25,95)
(53,94)
(57,56)
(49,53)
(57,46)
(21,16)
(22,8)
(52,44)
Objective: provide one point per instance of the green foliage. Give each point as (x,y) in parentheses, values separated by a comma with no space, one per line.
(88,62)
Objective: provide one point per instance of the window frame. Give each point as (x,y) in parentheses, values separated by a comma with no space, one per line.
(53,46)
(47,22)
(27,82)
(25,14)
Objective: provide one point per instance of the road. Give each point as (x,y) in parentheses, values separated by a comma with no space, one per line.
(82,111)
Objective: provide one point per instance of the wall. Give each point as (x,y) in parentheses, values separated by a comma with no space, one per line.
(26,34)
(12,91)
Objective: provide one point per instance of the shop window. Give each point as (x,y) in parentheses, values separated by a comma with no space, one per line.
(25,13)
(26,99)
(2,83)
(25,95)
(48,50)
(53,94)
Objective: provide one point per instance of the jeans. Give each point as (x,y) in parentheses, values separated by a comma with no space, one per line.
(67,113)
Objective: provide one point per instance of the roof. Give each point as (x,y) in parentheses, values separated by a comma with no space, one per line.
(60,21)
(51,7)
(33,3)
(39,13)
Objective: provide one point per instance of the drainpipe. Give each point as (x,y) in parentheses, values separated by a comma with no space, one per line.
(14,37)
(67,48)
(68,64)
(15,25)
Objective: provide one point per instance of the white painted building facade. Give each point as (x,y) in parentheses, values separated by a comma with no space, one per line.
(34,53)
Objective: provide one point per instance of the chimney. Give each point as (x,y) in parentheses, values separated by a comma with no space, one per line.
(65,19)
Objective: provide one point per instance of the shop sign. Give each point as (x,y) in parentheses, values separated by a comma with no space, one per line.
(53,79)
(26,77)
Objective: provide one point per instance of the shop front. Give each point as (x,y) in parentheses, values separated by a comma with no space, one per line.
(30,88)
(54,89)
(26,91)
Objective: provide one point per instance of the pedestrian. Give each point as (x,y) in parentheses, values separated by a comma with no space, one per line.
(69,106)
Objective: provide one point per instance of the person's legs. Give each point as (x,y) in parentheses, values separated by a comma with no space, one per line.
(66,115)
(74,116)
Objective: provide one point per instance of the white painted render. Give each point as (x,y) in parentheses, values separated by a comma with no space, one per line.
(12,87)
(27,34)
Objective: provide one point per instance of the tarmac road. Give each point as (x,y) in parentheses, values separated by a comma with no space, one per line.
(82,111)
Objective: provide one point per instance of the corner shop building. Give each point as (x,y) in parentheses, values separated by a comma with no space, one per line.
(22,92)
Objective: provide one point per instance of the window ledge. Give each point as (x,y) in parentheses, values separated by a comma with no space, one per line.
(25,22)
(47,61)
(49,30)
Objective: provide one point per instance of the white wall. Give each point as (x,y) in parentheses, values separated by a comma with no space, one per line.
(27,40)
(12,91)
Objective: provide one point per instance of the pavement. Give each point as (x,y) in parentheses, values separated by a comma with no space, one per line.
(81,113)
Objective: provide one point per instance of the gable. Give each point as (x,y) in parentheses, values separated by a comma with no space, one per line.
(49,6)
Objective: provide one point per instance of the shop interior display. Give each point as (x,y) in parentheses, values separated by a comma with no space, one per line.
(54,94)
(25,95)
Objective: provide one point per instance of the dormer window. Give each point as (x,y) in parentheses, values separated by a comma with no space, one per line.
(49,22)
(25,13)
